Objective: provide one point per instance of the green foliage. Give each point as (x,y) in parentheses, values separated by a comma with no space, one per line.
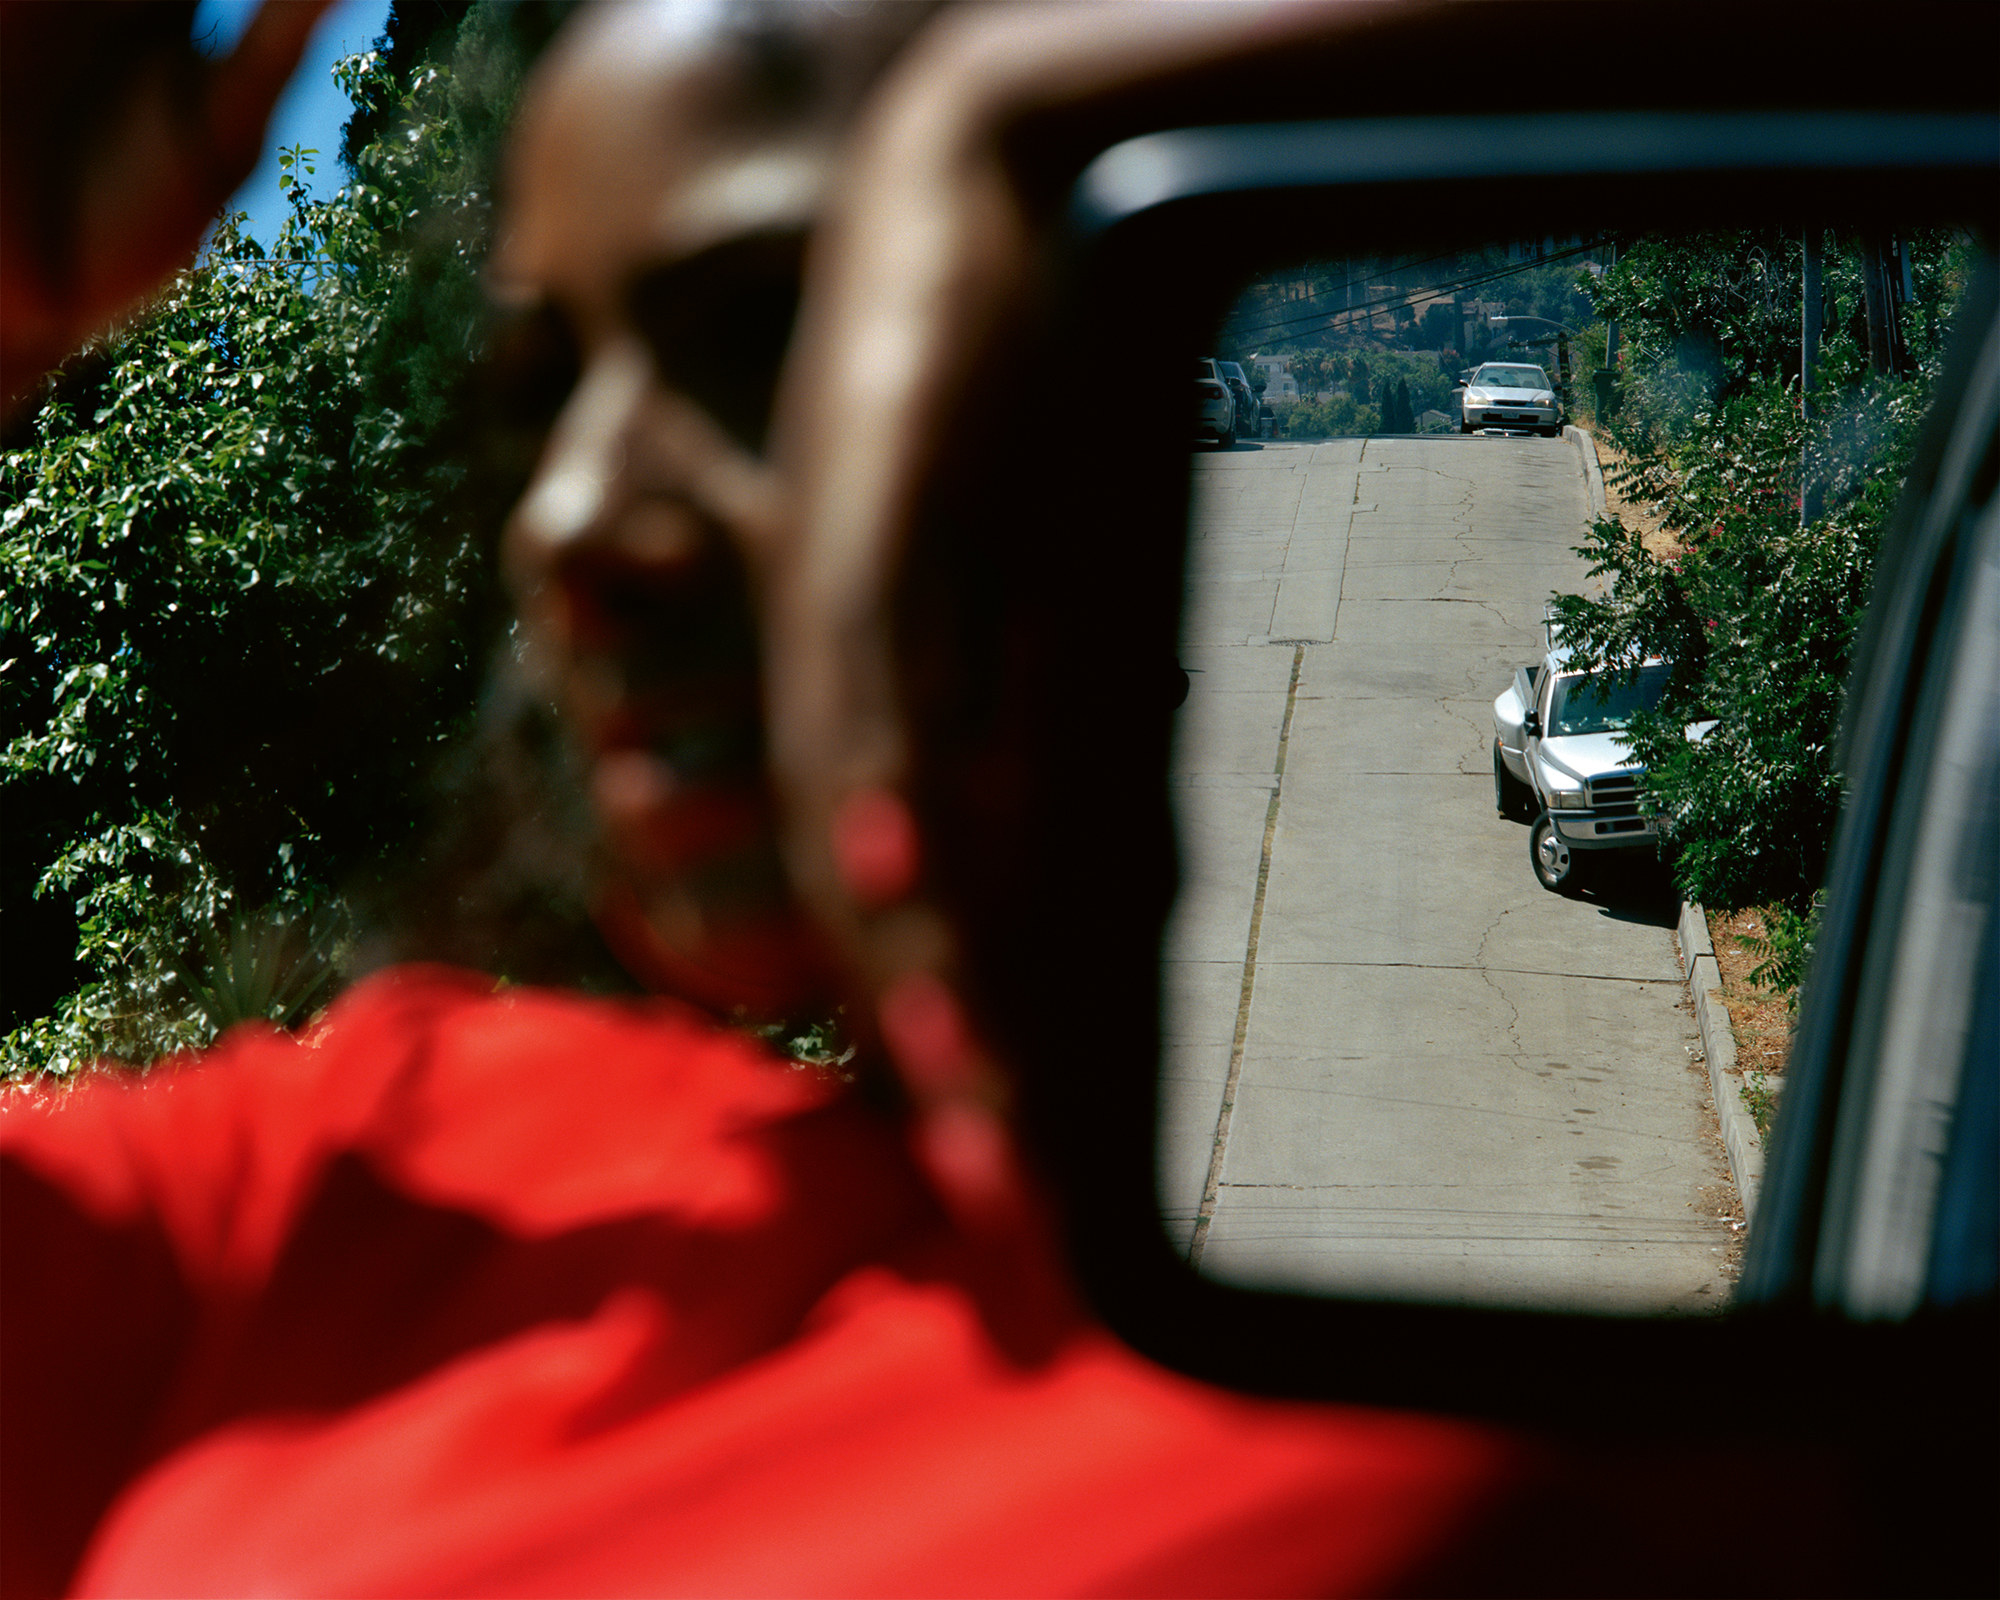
(1758,616)
(823,1043)
(1324,419)
(1702,318)
(1361,394)
(244,603)
(1759,612)
(270,968)
(1398,415)
(1417,377)
(1760,1095)
(1785,948)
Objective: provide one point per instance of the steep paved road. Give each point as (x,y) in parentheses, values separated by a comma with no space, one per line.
(1395,1062)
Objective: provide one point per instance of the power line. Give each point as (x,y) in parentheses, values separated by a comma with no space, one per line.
(1403,296)
(1419,261)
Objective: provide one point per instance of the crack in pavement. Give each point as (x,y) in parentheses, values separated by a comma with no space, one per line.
(1487,977)
(1219,1149)
(1448,705)
(1451,573)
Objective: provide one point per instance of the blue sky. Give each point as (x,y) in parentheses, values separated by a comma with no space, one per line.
(312,109)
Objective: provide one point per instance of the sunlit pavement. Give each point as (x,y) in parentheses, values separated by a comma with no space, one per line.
(1448,1081)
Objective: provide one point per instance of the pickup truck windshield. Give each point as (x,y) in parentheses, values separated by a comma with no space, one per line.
(1602,702)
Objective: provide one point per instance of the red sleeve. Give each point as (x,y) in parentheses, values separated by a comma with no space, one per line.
(530,1294)
(126,1206)
(299,1226)
(94,1321)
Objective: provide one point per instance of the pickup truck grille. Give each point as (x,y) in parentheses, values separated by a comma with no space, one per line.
(1616,795)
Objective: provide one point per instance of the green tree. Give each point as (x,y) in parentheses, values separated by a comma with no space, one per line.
(1334,417)
(247,589)
(1759,611)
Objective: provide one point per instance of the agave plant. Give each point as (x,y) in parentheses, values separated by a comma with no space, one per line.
(268,965)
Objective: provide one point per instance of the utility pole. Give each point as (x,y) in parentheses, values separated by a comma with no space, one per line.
(1811,310)
(1611,326)
(1896,279)
(1606,377)
(1878,295)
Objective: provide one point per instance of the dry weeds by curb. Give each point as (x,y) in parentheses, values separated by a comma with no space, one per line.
(1740,1136)
(1633,513)
(1759,1018)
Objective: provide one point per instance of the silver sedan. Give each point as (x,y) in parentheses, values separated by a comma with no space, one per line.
(1505,394)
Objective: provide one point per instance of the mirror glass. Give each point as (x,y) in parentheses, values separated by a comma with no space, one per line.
(1428,1029)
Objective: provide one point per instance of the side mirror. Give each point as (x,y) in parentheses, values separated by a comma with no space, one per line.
(1531,724)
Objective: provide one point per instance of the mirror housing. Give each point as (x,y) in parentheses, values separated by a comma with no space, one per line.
(1042,680)
(1269,192)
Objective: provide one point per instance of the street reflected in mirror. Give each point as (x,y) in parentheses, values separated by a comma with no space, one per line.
(1446,835)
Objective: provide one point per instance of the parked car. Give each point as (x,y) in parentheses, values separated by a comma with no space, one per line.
(1215,407)
(1508,394)
(1560,762)
(1247,415)
(1457,401)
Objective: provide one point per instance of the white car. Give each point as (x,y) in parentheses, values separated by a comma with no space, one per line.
(1248,411)
(1506,394)
(1214,406)
(1560,762)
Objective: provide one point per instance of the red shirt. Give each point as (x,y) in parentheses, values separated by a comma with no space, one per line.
(529,1293)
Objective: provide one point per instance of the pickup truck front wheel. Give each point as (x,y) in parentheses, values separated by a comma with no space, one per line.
(1559,867)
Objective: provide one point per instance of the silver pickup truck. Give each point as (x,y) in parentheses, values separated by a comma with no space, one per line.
(1561,764)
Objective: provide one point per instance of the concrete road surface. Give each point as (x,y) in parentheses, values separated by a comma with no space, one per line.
(1394,1062)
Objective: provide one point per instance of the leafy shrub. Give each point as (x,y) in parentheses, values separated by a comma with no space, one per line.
(1759,611)
(1758,616)
(1785,948)
(241,608)
(1323,419)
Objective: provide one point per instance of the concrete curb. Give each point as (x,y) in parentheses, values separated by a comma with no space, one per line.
(1704,977)
(1718,1045)
(1586,449)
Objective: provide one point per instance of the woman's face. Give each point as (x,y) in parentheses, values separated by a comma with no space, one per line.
(649,258)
